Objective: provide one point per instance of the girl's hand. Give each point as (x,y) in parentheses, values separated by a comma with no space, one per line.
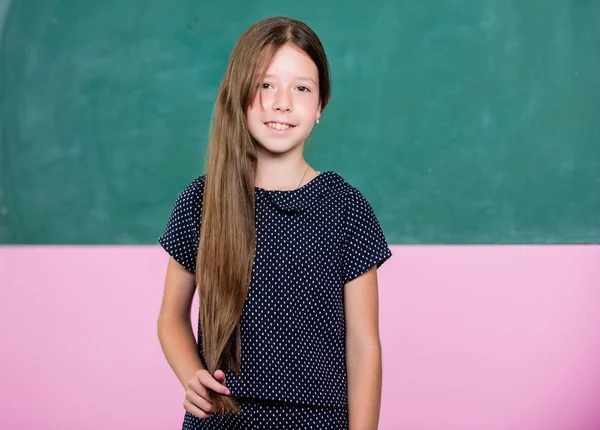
(197,396)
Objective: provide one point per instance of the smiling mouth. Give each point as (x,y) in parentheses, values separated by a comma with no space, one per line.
(278,126)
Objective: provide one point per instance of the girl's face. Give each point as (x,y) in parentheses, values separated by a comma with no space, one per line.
(290,102)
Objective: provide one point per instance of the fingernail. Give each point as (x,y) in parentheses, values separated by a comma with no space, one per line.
(227,392)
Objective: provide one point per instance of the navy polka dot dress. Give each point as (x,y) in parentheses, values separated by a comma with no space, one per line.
(310,242)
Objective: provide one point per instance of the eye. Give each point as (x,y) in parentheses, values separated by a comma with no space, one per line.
(265,85)
(304,89)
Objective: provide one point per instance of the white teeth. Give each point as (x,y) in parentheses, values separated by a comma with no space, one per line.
(278,126)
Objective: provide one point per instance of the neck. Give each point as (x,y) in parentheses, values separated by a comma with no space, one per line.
(281,172)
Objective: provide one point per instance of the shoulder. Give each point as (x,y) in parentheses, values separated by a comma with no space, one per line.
(188,204)
(355,208)
(181,235)
(348,194)
(191,195)
(194,188)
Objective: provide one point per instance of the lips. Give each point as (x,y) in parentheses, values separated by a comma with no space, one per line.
(281,126)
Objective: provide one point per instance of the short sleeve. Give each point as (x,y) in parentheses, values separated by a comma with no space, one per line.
(365,245)
(182,234)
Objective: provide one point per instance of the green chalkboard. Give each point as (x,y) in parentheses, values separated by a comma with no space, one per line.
(473,121)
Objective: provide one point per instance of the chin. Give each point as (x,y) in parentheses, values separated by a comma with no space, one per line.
(278,147)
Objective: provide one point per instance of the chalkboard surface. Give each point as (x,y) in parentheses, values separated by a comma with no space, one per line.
(461,122)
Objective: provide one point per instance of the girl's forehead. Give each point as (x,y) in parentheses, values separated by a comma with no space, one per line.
(291,59)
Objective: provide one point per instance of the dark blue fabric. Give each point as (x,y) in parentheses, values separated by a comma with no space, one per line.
(269,415)
(310,243)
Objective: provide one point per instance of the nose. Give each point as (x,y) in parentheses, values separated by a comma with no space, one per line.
(282,102)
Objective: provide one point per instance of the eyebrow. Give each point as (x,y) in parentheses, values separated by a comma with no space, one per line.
(299,78)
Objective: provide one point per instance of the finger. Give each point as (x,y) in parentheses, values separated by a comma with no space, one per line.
(195,385)
(212,384)
(194,410)
(201,402)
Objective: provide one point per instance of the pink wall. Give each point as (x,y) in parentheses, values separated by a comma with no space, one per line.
(504,338)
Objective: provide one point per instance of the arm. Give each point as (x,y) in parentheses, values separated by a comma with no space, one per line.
(175,331)
(363,351)
(179,344)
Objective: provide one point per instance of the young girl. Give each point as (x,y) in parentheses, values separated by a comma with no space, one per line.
(284,257)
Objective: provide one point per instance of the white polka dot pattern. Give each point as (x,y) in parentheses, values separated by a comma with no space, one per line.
(265,415)
(310,242)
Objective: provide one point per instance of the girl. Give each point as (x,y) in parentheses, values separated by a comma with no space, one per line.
(284,257)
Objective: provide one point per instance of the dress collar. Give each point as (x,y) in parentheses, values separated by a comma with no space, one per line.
(304,197)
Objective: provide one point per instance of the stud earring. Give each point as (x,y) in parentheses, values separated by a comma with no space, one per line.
(317,121)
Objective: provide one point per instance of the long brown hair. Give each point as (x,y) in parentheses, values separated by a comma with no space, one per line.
(228,235)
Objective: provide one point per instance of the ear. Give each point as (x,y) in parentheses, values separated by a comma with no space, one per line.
(318,112)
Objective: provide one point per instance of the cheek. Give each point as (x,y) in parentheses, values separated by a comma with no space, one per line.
(257,109)
(310,109)
(254,112)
